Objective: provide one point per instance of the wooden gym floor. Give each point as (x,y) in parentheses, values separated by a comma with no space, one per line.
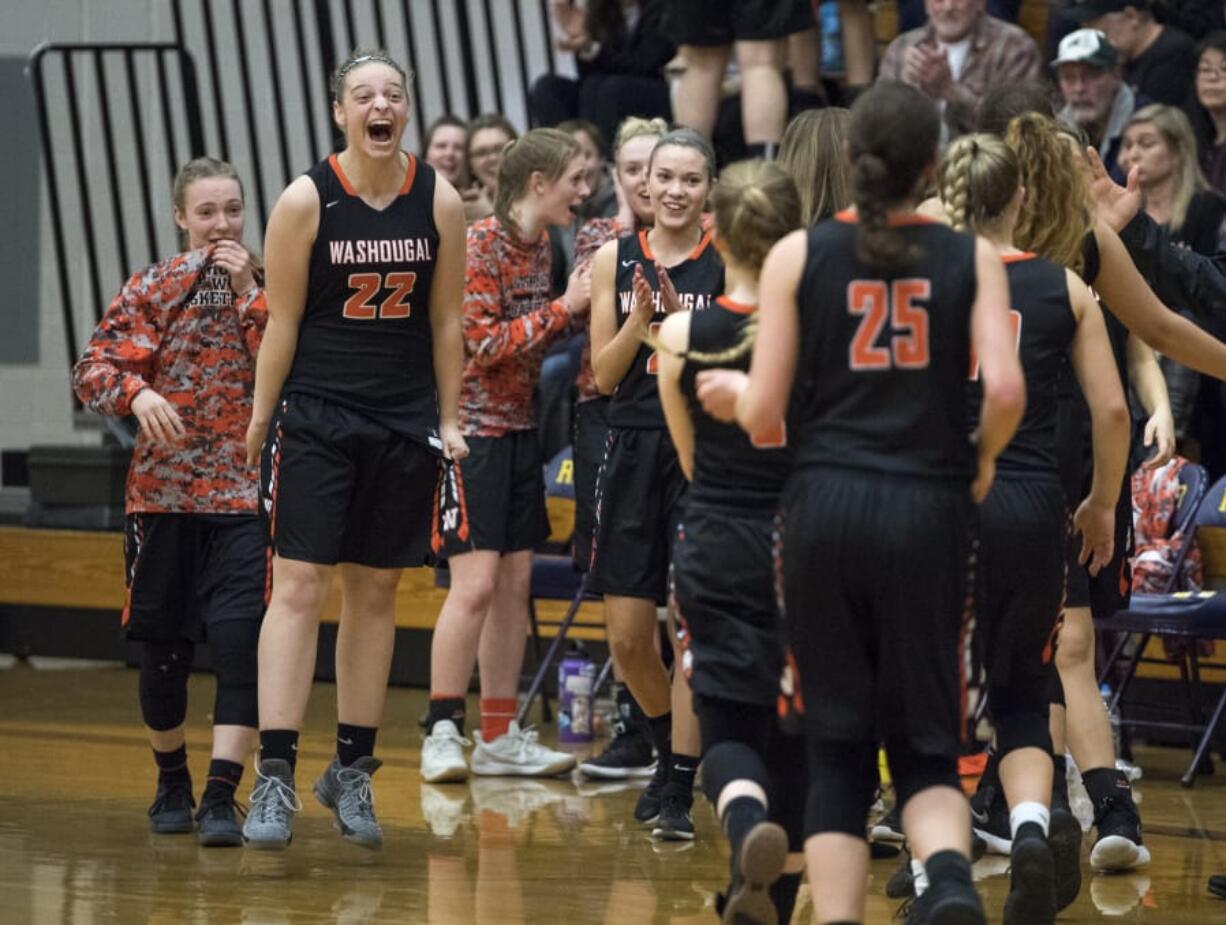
(76,778)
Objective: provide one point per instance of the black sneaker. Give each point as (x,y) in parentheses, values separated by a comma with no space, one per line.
(902,882)
(648,806)
(1217,885)
(674,822)
(757,863)
(888,828)
(1119,846)
(171,812)
(217,823)
(1032,894)
(1064,839)
(990,819)
(628,755)
(948,903)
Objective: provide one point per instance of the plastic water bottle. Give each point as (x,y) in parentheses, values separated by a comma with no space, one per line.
(576,676)
(832,37)
(1113,715)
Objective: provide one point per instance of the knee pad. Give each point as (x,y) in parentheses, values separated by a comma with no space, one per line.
(164,667)
(842,780)
(728,761)
(234,647)
(1055,687)
(1026,727)
(914,771)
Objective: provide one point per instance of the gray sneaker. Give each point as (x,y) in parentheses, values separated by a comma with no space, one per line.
(273,804)
(346,791)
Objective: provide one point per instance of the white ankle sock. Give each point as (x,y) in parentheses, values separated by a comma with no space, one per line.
(919,876)
(1037,813)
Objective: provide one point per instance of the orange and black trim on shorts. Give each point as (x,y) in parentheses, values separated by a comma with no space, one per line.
(274,473)
(448,495)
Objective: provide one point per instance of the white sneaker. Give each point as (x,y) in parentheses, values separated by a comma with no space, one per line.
(442,754)
(518,753)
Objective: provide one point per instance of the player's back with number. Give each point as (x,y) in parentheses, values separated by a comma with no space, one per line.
(365,340)
(884,354)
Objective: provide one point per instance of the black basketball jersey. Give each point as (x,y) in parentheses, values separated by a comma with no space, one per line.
(698,280)
(881,374)
(1044,324)
(365,339)
(730,468)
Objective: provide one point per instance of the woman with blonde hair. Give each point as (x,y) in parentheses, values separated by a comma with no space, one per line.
(1057,320)
(812,151)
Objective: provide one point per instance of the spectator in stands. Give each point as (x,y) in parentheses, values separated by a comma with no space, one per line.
(959,58)
(444,149)
(620,50)
(912,15)
(488,136)
(758,32)
(1160,144)
(1208,111)
(1095,95)
(1158,60)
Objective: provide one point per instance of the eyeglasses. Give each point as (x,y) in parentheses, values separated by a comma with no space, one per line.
(1211,70)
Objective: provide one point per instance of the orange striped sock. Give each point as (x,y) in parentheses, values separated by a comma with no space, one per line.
(496,716)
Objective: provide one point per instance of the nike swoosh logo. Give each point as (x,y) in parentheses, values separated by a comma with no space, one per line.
(981,818)
(329,205)
(344,741)
(629,263)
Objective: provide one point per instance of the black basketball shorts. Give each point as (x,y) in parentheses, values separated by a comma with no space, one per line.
(639,492)
(878,588)
(591,431)
(722,22)
(724,599)
(1022,529)
(187,572)
(503,483)
(336,486)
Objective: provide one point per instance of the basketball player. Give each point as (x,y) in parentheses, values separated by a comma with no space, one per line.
(723,579)
(176,349)
(629,753)
(640,485)
(867,324)
(509,321)
(356,398)
(1023,518)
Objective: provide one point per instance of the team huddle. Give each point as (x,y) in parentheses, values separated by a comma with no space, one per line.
(822,432)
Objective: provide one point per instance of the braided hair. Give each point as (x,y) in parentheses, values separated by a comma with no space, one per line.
(977,180)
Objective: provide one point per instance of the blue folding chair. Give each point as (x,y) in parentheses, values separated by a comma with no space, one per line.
(1187,615)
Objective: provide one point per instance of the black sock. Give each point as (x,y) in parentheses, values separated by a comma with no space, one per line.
(1059,782)
(172,766)
(764,149)
(991,770)
(661,728)
(223,780)
(1102,783)
(452,708)
(681,773)
(279,745)
(948,867)
(740,815)
(354,742)
(783,892)
(629,713)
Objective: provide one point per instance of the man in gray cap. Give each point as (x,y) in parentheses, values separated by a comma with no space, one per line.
(1158,60)
(1095,95)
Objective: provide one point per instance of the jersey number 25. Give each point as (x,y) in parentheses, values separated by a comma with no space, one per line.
(360,304)
(875,303)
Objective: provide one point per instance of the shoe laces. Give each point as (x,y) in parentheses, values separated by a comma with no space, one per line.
(674,804)
(177,793)
(273,797)
(526,740)
(356,795)
(210,807)
(437,739)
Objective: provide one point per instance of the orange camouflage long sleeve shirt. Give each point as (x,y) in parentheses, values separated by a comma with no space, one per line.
(508,322)
(176,327)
